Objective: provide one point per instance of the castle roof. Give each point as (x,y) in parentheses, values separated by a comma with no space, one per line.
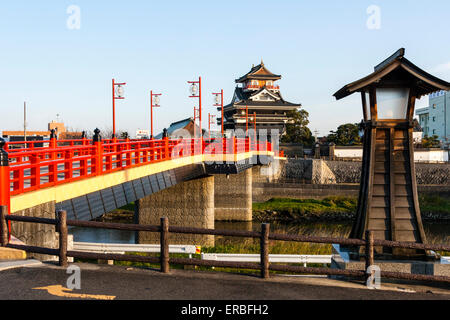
(243,98)
(259,72)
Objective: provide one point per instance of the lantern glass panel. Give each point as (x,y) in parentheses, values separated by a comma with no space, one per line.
(217,99)
(392,103)
(119,91)
(156,100)
(194,89)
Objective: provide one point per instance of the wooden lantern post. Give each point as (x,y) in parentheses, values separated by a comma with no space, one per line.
(388,202)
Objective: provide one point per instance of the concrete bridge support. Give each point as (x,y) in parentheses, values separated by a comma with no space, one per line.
(187,204)
(233,196)
(37,234)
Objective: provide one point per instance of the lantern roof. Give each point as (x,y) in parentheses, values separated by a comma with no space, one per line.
(396,71)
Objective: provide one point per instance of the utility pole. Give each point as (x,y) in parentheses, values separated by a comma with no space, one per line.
(25,121)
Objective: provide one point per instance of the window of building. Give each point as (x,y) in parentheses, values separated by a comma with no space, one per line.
(434,131)
(434,119)
(434,106)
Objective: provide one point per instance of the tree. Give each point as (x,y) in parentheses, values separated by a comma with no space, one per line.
(345,135)
(431,142)
(297,130)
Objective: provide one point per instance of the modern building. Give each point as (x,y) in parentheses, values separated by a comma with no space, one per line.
(57,126)
(60,130)
(257,92)
(142,134)
(435,119)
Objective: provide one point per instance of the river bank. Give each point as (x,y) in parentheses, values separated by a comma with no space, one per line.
(331,209)
(336,209)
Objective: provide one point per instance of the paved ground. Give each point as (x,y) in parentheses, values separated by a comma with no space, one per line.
(118,282)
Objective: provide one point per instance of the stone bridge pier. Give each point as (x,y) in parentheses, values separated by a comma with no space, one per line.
(233,196)
(187,204)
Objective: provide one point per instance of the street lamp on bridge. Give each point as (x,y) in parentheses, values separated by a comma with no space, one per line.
(154,103)
(196,92)
(117,94)
(218,102)
(210,120)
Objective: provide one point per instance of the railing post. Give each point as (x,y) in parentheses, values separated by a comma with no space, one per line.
(68,165)
(36,171)
(53,141)
(53,168)
(166,148)
(83,136)
(62,226)
(369,251)
(4,180)
(264,247)
(164,242)
(4,226)
(98,156)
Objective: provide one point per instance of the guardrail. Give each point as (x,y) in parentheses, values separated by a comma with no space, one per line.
(164,260)
(304,259)
(122,248)
(192,249)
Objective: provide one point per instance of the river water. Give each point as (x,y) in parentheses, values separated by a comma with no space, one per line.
(435,232)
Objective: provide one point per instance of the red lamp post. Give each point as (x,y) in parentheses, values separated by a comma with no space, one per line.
(254,122)
(210,120)
(219,103)
(154,103)
(117,94)
(196,92)
(196,117)
(246,119)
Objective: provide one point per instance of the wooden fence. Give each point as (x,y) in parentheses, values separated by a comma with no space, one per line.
(164,260)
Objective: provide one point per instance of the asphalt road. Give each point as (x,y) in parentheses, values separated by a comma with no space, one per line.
(119,282)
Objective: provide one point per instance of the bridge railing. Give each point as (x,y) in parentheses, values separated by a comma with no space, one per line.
(165,260)
(41,164)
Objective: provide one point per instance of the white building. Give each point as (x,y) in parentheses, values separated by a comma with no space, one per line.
(435,119)
(142,134)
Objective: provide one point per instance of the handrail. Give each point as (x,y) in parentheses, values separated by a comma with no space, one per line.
(164,229)
(62,161)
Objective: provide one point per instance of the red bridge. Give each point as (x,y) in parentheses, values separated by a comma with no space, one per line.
(90,177)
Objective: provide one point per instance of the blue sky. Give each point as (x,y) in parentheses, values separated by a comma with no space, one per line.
(317,46)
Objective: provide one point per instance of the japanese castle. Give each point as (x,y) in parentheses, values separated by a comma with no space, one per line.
(257,92)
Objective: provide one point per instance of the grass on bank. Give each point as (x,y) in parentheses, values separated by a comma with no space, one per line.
(293,209)
(434,204)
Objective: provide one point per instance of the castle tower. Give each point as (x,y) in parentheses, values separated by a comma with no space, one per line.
(257,92)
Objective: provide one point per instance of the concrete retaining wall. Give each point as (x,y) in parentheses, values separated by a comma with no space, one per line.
(37,234)
(337,172)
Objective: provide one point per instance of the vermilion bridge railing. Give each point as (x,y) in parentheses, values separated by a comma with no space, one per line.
(35,165)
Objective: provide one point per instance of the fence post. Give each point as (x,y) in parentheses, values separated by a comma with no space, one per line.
(369,251)
(264,247)
(62,226)
(4,226)
(164,242)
